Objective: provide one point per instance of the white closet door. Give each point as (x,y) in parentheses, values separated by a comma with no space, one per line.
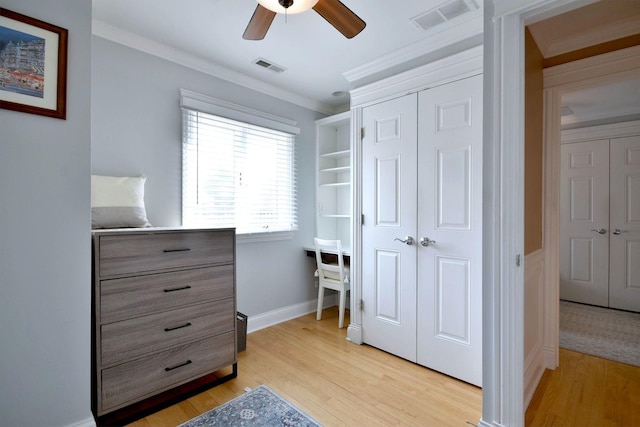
(624,285)
(389,161)
(449,336)
(584,222)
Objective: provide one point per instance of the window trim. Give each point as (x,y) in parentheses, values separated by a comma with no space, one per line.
(218,107)
(229,110)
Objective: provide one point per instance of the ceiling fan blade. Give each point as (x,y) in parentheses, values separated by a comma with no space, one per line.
(341,17)
(259,24)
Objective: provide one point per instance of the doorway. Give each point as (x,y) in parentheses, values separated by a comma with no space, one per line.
(563,74)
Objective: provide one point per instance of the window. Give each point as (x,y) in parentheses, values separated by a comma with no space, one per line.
(237,174)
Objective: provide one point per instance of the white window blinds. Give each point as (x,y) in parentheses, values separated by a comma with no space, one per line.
(236,174)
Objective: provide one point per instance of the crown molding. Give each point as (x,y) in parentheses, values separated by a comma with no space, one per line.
(143,44)
(541,9)
(592,71)
(602,115)
(454,67)
(457,31)
(616,130)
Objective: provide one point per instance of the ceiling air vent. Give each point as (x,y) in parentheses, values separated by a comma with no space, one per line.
(269,65)
(444,13)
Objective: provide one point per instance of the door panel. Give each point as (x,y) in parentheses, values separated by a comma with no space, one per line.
(387,203)
(624,284)
(389,167)
(387,302)
(453,289)
(453,192)
(450,214)
(584,195)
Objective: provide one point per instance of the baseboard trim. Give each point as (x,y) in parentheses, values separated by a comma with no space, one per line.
(89,422)
(484,423)
(550,357)
(532,376)
(354,333)
(270,318)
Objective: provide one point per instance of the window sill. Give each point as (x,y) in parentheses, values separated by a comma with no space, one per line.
(264,237)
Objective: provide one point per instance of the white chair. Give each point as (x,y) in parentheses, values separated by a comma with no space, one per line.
(333,276)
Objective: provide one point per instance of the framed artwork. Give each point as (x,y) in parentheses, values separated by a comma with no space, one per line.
(33,65)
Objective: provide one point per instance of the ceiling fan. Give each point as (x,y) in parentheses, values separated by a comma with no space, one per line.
(333,11)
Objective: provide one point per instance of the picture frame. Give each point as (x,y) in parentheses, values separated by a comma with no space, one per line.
(33,65)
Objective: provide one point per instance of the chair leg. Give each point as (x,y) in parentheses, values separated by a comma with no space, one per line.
(343,299)
(320,302)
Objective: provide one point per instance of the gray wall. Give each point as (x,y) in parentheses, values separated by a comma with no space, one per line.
(45,262)
(136,129)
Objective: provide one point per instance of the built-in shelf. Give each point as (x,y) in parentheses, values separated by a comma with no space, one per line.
(337,154)
(333,178)
(336,184)
(337,169)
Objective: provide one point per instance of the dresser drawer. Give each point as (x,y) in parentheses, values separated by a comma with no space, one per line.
(136,380)
(147,334)
(143,252)
(136,296)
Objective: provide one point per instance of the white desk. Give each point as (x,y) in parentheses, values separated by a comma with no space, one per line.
(311,252)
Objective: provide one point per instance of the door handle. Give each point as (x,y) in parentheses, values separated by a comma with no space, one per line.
(407,240)
(599,230)
(617,231)
(425,241)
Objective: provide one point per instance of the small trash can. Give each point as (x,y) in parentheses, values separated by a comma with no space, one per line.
(242,331)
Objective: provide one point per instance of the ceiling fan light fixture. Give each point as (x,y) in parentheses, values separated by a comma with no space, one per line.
(298,6)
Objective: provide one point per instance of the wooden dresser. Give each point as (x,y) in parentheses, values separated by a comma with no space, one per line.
(164,316)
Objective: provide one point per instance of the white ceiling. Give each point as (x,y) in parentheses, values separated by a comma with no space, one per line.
(207,35)
(609,103)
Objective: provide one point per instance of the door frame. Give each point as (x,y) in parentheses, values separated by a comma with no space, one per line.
(503,323)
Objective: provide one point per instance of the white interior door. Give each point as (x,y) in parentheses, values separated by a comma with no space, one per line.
(389,162)
(624,278)
(449,336)
(584,222)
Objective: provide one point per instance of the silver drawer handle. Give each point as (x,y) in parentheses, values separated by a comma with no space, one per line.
(178,289)
(186,325)
(171,368)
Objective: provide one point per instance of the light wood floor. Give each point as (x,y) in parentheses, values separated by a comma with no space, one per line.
(586,391)
(311,364)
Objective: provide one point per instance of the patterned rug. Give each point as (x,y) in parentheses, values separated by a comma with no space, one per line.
(598,331)
(258,407)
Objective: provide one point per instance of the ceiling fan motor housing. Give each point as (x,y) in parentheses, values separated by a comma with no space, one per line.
(285,3)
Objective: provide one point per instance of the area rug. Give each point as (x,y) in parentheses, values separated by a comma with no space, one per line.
(258,407)
(598,331)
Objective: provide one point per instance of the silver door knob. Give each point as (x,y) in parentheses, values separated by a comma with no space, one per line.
(617,231)
(599,230)
(407,240)
(425,241)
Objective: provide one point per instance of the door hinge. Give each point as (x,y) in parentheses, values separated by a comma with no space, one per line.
(518,260)
(361,305)
(361,133)
(362,219)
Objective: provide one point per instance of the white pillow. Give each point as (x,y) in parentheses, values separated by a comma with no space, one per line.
(118,202)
